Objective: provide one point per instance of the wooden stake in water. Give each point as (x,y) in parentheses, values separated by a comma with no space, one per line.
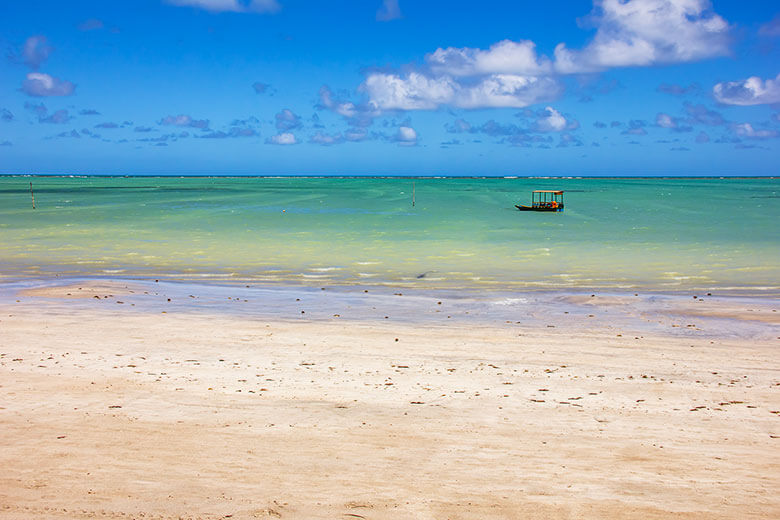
(32,196)
(412,193)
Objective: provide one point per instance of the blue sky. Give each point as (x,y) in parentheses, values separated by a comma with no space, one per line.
(561,87)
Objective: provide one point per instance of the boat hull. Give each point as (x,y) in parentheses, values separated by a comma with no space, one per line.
(530,208)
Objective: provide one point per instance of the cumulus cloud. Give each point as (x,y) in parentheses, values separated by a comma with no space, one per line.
(416,91)
(553,121)
(235,6)
(42,113)
(506,90)
(751,91)
(747,130)
(356,134)
(285,138)
(6,143)
(185,121)
(58,117)
(702,138)
(344,108)
(35,51)
(699,114)
(545,121)
(356,114)
(286,120)
(512,73)
(664,120)
(459,126)
(39,110)
(88,112)
(6,115)
(326,139)
(647,32)
(413,92)
(389,11)
(504,57)
(38,84)
(406,136)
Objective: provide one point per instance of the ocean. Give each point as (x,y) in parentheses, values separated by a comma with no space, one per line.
(662,234)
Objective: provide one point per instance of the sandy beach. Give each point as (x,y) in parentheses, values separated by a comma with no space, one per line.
(120,411)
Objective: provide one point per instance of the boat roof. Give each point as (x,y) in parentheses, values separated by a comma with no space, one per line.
(557,192)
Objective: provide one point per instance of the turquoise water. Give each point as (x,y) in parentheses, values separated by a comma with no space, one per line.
(649,233)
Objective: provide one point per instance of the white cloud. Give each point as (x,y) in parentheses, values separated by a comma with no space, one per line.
(326,139)
(512,74)
(504,57)
(751,91)
(185,120)
(287,120)
(554,121)
(389,11)
(235,6)
(665,121)
(283,139)
(357,134)
(343,108)
(414,92)
(747,130)
(647,32)
(417,91)
(406,136)
(35,51)
(507,91)
(358,115)
(38,84)
(629,33)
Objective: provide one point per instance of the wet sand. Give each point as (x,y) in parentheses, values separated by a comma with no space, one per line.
(611,408)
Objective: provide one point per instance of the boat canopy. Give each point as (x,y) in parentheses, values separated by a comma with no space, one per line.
(556,192)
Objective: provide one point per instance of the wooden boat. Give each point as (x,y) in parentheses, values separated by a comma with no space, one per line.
(544,200)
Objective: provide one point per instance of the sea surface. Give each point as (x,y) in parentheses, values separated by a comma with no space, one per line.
(663,234)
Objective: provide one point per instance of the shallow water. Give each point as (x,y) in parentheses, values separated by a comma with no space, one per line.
(661,234)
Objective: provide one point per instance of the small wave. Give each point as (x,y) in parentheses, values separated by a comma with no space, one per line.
(510,301)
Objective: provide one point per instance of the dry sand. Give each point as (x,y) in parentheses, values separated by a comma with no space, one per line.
(122,412)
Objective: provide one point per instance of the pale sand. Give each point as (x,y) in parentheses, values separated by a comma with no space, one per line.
(113,412)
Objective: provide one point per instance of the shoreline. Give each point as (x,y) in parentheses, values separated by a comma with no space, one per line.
(726,314)
(208,409)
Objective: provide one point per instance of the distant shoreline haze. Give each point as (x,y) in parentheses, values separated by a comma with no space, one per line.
(375,176)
